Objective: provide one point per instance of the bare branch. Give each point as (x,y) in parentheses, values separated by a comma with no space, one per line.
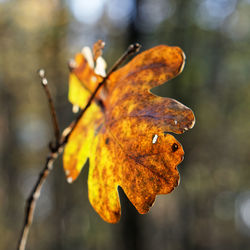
(132,49)
(34,196)
(44,83)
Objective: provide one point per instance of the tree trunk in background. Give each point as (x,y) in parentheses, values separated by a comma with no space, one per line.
(133,34)
(131,228)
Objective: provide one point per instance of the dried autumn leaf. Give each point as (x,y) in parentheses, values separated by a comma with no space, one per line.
(127,138)
(97,49)
(83,78)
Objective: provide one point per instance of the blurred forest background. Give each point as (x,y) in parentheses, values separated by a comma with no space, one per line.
(211,207)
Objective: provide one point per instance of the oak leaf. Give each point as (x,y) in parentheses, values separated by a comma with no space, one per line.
(126,131)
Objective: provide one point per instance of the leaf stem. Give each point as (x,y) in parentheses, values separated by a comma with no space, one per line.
(61,140)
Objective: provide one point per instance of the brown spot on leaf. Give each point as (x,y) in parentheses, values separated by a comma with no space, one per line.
(175,147)
(107,141)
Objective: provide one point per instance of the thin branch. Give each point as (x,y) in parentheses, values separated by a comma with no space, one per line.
(35,194)
(58,149)
(132,49)
(44,83)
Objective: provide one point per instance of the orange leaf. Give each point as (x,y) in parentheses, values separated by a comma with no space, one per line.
(128,141)
(82,79)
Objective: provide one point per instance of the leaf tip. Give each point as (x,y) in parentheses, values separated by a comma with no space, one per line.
(69,179)
(192,123)
(75,108)
(72,64)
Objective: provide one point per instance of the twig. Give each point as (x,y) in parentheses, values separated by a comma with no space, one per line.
(35,194)
(44,82)
(58,149)
(132,49)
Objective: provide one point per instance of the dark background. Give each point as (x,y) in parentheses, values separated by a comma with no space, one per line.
(211,207)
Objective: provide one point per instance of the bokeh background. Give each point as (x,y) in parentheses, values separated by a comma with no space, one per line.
(211,207)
